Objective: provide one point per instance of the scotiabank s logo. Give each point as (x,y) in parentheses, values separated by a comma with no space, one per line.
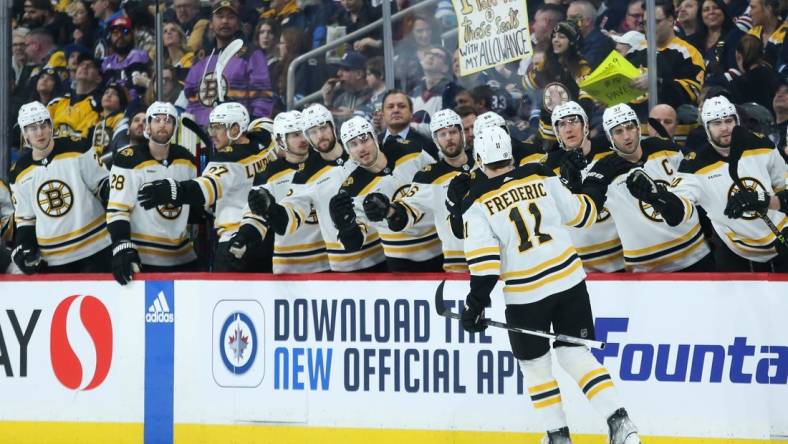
(81,342)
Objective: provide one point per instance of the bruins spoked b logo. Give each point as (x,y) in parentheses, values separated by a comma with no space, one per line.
(209,89)
(55,198)
(751,184)
(169,211)
(649,211)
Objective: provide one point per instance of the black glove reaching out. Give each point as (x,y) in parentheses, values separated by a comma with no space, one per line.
(376,206)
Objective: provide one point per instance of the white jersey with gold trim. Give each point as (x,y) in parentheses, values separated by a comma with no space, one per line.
(427,195)
(59,196)
(419,241)
(598,245)
(159,234)
(302,250)
(516,228)
(313,189)
(650,245)
(226,181)
(704,180)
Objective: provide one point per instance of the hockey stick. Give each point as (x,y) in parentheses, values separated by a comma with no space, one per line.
(440,307)
(199,131)
(224,57)
(659,128)
(737,148)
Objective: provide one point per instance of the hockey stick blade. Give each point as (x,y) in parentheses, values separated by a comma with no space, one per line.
(224,57)
(197,129)
(440,307)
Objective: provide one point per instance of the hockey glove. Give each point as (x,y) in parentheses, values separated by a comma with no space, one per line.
(341,208)
(5,259)
(29,261)
(473,315)
(572,165)
(642,186)
(260,201)
(746,200)
(459,186)
(159,192)
(376,206)
(125,262)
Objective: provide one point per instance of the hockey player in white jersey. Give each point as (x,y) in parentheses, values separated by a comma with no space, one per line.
(153,239)
(712,177)
(59,189)
(649,244)
(302,250)
(515,231)
(427,194)
(413,249)
(599,245)
(226,181)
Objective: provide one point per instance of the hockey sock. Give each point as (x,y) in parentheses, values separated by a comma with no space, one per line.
(544,392)
(593,378)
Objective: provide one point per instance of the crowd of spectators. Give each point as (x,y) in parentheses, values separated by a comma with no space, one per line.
(92,60)
(92,64)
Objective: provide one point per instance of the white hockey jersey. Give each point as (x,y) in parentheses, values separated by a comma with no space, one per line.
(58,195)
(598,245)
(226,182)
(312,189)
(159,234)
(704,179)
(650,245)
(418,242)
(302,250)
(427,195)
(516,228)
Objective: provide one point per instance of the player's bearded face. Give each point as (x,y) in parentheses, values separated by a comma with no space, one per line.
(363,150)
(39,134)
(720,131)
(161,128)
(626,137)
(322,137)
(450,141)
(571,131)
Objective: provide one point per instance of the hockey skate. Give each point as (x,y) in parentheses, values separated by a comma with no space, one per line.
(622,430)
(560,436)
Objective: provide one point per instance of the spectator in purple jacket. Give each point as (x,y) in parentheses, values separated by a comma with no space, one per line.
(245,75)
(126,66)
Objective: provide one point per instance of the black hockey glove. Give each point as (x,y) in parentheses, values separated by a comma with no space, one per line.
(29,260)
(376,206)
(746,200)
(473,315)
(159,192)
(458,188)
(341,208)
(572,165)
(260,201)
(642,186)
(125,262)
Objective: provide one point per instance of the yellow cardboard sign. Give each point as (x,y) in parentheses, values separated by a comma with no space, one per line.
(610,83)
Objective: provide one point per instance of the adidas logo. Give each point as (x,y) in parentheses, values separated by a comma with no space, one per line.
(159,311)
